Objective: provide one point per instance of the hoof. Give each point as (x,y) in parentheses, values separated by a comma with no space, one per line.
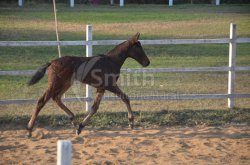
(29,134)
(131,122)
(79,130)
(131,126)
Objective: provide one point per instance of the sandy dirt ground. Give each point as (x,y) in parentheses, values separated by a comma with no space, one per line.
(175,145)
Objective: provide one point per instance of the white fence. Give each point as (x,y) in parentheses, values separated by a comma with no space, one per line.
(231,68)
(64,152)
(121,3)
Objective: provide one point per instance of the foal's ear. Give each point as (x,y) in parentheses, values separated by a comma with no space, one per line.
(135,38)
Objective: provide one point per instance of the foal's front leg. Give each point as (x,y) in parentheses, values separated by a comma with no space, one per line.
(95,106)
(116,90)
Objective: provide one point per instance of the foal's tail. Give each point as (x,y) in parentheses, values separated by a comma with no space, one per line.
(39,74)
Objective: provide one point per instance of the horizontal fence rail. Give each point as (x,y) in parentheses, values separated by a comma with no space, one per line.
(115,42)
(136,98)
(231,69)
(144,70)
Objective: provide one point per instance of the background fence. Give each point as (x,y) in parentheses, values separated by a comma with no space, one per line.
(122,2)
(231,68)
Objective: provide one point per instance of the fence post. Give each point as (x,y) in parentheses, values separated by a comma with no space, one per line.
(232,65)
(121,3)
(20,3)
(64,152)
(170,2)
(72,3)
(111,2)
(88,54)
(217,2)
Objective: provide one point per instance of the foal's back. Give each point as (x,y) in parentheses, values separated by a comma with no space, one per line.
(89,70)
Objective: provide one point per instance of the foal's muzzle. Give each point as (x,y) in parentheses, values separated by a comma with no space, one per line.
(146,63)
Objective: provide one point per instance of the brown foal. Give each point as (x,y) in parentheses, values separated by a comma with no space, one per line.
(101,72)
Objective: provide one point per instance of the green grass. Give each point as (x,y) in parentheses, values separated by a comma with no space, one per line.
(36,22)
(109,22)
(143,118)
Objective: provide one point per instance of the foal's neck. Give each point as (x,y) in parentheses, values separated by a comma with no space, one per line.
(119,53)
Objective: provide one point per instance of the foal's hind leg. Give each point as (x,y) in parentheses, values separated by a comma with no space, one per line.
(116,90)
(40,104)
(95,106)
(58,101)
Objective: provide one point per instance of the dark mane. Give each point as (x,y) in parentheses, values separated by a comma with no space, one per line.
(119,48)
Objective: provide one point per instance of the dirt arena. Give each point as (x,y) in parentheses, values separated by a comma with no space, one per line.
(175,145)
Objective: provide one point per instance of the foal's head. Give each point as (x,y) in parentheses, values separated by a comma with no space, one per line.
(136,51)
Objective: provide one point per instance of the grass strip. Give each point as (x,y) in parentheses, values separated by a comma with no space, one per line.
(142,119)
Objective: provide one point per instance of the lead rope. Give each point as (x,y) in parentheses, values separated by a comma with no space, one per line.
(57,35)
(56,26)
